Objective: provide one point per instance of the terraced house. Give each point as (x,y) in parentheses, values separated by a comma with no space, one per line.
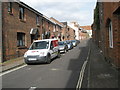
(20,25)
(106,30)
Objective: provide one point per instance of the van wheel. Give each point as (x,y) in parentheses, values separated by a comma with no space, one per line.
(65,51)
(48,58)
(58,54)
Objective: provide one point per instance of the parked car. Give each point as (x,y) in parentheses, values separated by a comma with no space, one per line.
(74,42)
(63,46)
(69,43)
(78,41)
(42,51)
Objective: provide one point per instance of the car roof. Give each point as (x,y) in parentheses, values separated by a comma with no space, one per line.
(61,41)
(45,40)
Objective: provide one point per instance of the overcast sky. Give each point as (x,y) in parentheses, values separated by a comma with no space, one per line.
(80,11)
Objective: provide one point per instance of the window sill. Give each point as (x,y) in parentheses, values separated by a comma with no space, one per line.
(10,13)
(38,25)
(22,47)
(22,20)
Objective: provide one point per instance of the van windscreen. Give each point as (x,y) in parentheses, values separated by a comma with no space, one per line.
(40,45)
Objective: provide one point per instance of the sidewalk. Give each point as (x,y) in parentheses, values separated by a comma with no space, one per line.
(10,64)
(101,74)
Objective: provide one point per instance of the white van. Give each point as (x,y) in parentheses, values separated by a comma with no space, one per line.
(42,51)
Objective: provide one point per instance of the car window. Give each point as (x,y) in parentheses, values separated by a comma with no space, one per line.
(61,43)
(40,45)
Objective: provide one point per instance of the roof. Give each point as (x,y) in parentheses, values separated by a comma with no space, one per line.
(86,27)
(49,19)
(57,22)
(28,7)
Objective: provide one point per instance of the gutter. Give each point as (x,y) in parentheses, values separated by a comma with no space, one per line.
(1,52)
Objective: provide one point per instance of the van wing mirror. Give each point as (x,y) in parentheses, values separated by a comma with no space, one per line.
(51,47)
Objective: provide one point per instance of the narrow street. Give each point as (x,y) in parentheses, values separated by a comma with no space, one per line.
(63,72)
(70,44)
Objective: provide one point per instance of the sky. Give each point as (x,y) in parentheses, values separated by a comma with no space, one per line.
(80,11)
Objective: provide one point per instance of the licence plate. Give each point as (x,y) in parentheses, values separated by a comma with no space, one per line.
(32,59)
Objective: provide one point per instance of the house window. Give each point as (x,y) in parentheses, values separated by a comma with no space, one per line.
(10,7)
(68,29)
(21,15)
(20,39)
(110,35)
(37,20)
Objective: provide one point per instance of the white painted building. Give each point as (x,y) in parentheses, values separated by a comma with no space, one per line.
(76,27)
(89,33)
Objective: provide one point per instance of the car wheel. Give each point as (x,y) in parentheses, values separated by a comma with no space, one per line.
(65,51)
(58,54)
(48,59)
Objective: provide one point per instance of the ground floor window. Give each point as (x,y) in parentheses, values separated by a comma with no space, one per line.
(20,39)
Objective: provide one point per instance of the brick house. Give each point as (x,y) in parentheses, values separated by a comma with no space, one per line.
(21,25)
(65,34)
(87,29)
(48,27)
(106,30)
(71,32)
(58,29)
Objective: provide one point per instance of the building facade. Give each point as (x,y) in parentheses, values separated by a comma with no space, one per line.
(68,33)
(87,29)
(106,30)
(71,33)
(76,27)
(20,26)
(58,29)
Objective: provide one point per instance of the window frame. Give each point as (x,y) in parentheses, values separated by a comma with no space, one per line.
(21,13)
(37,19)
(21,39)
(10,7)
(110,28)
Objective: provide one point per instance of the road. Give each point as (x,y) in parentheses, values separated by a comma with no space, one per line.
(63,72)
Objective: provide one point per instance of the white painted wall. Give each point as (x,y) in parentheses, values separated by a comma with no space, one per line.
(72,25)
(90,33)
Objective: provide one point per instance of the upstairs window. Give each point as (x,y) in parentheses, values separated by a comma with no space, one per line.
(20,39)
(21,13)
(37,20)
(110,35)
(10,7)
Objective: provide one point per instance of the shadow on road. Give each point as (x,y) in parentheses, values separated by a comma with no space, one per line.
(76,63)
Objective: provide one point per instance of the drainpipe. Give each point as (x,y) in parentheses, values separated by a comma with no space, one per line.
(1,52)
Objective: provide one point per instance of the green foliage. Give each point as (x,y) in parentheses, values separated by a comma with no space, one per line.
(96,18)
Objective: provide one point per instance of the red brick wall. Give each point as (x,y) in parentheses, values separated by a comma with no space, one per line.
(72,34)
(12,25)
(111,54)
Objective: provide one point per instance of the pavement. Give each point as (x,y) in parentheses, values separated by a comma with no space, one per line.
(13,63)
(100,74)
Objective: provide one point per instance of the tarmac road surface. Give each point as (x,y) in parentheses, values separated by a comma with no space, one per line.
(63,72)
